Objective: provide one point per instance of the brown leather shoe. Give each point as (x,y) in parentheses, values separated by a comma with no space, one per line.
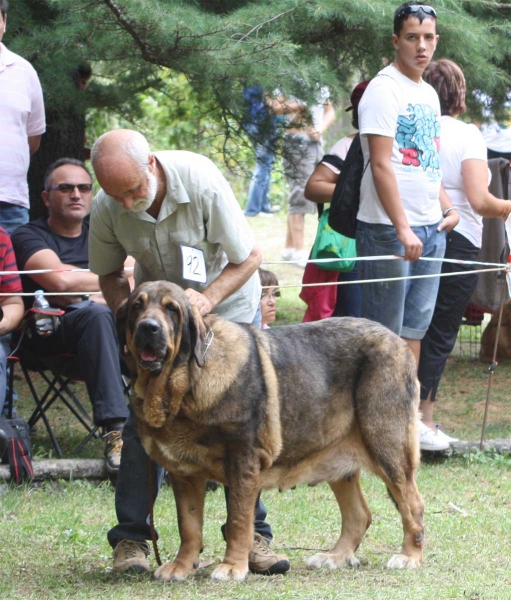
(263,561)
(131,556)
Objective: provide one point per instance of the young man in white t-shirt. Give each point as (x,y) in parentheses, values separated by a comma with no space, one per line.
(400,209)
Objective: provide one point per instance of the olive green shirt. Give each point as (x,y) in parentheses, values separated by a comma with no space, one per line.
(199,210)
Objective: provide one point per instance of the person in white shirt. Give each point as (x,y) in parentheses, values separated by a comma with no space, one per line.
(22,123)
(465,179)
(400,212)
(327,301)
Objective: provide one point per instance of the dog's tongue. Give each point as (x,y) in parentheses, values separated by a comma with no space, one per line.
(148,356)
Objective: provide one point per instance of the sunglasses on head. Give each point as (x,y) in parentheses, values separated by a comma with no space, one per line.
(415,8)
(67,188)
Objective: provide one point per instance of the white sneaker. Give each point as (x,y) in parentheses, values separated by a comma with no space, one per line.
(444,436)
(274,208)
(430,440)
(301,257)
(287,253)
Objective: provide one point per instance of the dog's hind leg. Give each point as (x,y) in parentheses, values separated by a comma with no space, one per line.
(356,519)
(395,458)
(189,494)
(411,506)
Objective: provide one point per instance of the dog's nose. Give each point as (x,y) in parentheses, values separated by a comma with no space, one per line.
(149,327)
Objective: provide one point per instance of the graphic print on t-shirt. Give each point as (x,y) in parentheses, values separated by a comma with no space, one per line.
(418,137)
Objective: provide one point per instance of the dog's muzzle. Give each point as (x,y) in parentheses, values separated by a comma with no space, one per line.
(151,344)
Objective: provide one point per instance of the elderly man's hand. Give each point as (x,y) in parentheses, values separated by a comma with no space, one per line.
(202,302)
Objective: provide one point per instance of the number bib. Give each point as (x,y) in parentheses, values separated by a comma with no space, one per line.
(194,264)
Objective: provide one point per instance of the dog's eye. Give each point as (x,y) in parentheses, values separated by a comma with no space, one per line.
(137,305)
(171,308)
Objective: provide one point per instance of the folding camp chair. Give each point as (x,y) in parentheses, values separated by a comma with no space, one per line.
(58,371)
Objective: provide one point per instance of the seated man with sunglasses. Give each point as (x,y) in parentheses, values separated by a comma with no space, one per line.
(60,242)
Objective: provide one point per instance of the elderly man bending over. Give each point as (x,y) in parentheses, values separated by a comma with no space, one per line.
(170,210)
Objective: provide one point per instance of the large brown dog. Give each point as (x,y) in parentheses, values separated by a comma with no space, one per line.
(252,409)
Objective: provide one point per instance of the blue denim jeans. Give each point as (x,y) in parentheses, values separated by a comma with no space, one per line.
(260,184)
(12,216)
(349,297)
(453,298)
(406,306)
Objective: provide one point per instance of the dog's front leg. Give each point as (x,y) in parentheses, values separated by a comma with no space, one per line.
(189,494)
(239,531)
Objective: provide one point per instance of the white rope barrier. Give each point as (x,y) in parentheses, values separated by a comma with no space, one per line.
(386,257)
(495,267)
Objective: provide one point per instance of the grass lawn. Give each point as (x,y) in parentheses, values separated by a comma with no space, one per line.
(54,537)
(55,547)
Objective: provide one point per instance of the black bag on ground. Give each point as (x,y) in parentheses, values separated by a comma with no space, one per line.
(346,197)
(15,448)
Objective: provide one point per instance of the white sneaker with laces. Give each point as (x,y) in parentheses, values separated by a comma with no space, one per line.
(287,253)
(301,257)
(430,440)
(444,436)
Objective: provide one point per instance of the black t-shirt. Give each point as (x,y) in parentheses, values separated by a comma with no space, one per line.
(35,236)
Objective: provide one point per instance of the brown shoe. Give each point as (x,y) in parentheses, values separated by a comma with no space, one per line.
(130,555)
(263,561)
(113,447)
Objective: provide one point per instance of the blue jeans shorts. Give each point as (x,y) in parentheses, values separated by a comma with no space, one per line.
(405,307)
(12,216)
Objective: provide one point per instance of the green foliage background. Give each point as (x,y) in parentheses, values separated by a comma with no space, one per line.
(220,46)
(176,68)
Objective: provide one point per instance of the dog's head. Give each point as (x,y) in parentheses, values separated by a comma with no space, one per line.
(158,326)
(161,331)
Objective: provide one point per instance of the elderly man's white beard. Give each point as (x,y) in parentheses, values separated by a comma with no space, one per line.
(142,204)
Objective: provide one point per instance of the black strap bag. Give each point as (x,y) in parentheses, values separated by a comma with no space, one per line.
(15,448)
(346,197)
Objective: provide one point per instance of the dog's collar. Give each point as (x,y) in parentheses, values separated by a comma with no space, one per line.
(207,343)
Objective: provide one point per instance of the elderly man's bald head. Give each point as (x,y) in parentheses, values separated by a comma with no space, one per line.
(126,169)
(114,144)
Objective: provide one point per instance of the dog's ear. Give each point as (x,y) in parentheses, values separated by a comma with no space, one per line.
(188,337)
(197,335)
(121,321)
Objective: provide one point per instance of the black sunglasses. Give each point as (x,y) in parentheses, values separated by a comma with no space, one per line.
(415,8)
(67,188)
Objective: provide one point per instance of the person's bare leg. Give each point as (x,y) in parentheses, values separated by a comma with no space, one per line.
(415,347)
(296,228)
(289,236)
(427,407)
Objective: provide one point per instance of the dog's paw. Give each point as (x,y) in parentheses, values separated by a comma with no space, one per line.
(402,561)
(225,572)
(172,571)
(332,561)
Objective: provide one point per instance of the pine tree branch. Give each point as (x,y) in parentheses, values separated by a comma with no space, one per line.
(257,27)
(131,29)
